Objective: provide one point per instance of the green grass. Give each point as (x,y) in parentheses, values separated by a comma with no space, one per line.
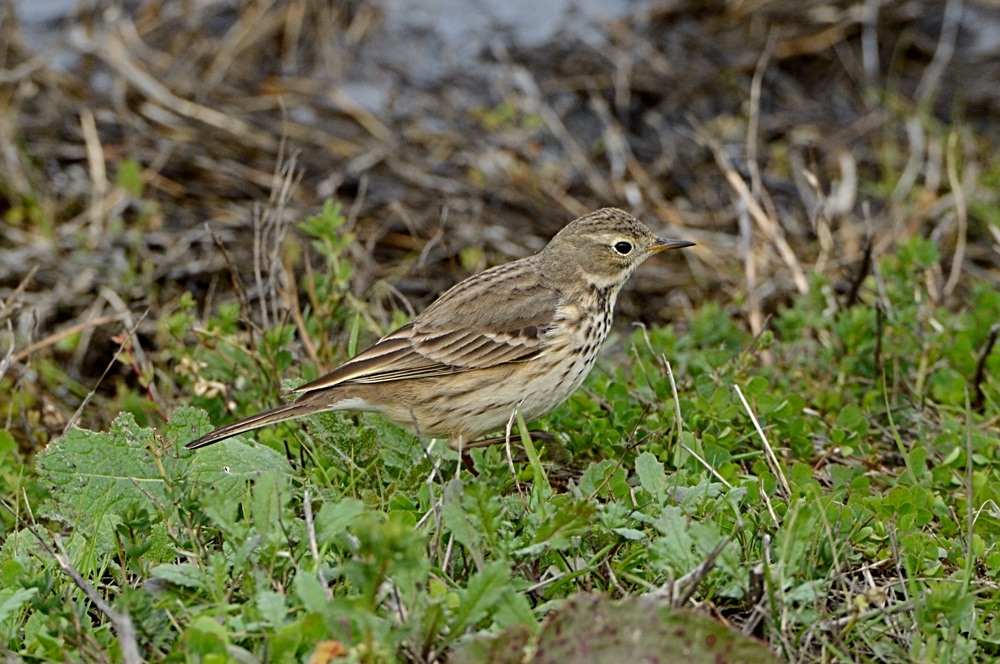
(859,523)
(825,491)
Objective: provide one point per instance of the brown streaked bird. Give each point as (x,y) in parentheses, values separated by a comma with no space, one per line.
(522,335)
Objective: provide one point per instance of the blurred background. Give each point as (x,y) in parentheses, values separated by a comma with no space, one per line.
(150,150)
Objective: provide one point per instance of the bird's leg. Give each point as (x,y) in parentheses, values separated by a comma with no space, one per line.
(543,436)
(457,443)
(467,462)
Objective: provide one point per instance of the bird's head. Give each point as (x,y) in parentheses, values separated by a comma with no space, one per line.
(605,247)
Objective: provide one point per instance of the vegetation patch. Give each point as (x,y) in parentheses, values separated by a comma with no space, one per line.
(788,452)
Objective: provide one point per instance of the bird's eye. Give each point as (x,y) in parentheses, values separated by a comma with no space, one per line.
(623,248)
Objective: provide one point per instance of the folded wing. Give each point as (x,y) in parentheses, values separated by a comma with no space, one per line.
(438,345)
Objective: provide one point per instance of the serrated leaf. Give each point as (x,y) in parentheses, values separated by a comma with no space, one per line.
(481,595)
(186,424)
(651,475)
(455,518)
(91,474)
(229,465)
(473,514)
(558,529)
(595,476)
(674,548)
(94,476)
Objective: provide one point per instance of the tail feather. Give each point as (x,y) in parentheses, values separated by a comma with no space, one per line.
(289,411)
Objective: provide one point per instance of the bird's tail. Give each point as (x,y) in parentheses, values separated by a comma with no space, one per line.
(289,411)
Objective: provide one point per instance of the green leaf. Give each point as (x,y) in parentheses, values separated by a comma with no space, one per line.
(541,487)
(270,494)
(272,607)
(457,520)
(11,601)
(630,534)
(557,530)
(673,548)
(473,513)
(8,446)
(93,474)
(334,518)
(180,574)
(595,478)
(129,177)
(205,637)
(227,466)
(651,475)
(513,609)
(481,595)
(310,591)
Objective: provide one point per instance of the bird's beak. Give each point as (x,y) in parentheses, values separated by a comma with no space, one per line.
(662,244)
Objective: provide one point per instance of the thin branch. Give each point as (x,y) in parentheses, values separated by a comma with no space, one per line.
(961,214)
(121,621)
(769,454)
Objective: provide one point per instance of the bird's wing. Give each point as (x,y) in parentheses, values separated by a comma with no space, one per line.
(473,328)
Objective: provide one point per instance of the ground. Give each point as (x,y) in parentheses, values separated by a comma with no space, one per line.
(836,164)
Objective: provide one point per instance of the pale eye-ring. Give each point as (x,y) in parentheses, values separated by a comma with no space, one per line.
(624,248)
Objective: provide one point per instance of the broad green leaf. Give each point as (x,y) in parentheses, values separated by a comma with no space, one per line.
(595,478)
(272,607)
(11,601)
(227,466)
(334,518)
(91,474)
(181,574)
(310,591)
(206,638)
(94,476)
(270,494)
(651,475)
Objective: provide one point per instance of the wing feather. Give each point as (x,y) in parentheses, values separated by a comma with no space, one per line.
(445,340)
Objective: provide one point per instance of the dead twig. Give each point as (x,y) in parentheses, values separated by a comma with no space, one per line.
(56,337)
(961,215)
(121,621)
(90,395)
(111,48)
(7,308)
(769,455)
(943,54)
(772,229)
(984,353)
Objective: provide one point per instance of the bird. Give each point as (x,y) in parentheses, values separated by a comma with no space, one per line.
(521,336)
